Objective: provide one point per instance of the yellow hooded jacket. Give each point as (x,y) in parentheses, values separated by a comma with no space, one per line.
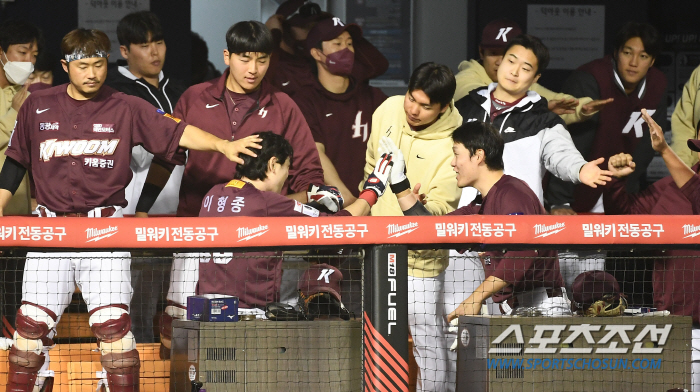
(428,154)
(20,202)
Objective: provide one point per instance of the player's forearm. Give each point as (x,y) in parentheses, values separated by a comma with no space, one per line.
(360,207)
(331,176)
(680,172)
(299,196)
(194,138)
(5,197)
(487,289)
(407,200)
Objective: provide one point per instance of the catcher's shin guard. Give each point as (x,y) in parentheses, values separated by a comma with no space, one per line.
(173,311)
(122,371)
(23,369)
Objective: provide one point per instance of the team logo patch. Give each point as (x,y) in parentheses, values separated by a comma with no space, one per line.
(177,120)
(59,148)
(235,184)
(94,235)
(103,128)
(49,126)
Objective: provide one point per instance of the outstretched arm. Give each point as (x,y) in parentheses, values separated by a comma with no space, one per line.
(472,305)
(680,172)
(194,138)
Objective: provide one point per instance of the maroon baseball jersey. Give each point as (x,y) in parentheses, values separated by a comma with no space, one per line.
(620,126)
(527,269)
(205,106)
(255,280)
(691,190)
(342,123)
(79,151)
(676,276)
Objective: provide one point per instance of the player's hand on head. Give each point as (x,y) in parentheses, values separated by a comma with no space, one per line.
(592,175)
(398,171)
(326,195)
(563,106)
(658,142)
(379,178)
(595,106)
(242,146)
(621,165)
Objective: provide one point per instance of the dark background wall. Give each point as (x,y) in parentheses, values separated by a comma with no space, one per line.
(676,19)
(56,18)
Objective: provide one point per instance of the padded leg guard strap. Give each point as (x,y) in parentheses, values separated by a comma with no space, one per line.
(173,311)
(24,366)
(122,371)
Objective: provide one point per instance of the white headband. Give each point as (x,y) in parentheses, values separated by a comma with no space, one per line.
(79,54)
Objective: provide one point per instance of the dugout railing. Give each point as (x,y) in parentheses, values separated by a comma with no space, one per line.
(384,241)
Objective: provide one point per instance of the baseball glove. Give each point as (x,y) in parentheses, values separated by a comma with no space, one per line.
(603,308)
(322,305)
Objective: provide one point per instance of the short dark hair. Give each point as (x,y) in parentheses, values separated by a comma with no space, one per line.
(139,28)
(273,145)
(45,62)
(476,135)
(646,32)
(437,82)
(537,47)
(249,36)
(14,32)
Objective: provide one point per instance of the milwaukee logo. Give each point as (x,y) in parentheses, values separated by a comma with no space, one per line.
(49,126)
(394,230)
(245,233)
(103,128)
(545,231)
(94,235)
(691,231)
(55,148)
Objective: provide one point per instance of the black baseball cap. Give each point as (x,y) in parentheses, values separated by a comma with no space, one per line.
(300,13)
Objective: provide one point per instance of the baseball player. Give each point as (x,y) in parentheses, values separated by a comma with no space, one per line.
(255,191)
(142,45)
(238,104)
(336,106)
(77,139)
(629,78)
(291,70)
(676,276)
(532,277)
(495,38)
(420,123)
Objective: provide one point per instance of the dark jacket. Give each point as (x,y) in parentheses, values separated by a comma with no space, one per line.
(163,97)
